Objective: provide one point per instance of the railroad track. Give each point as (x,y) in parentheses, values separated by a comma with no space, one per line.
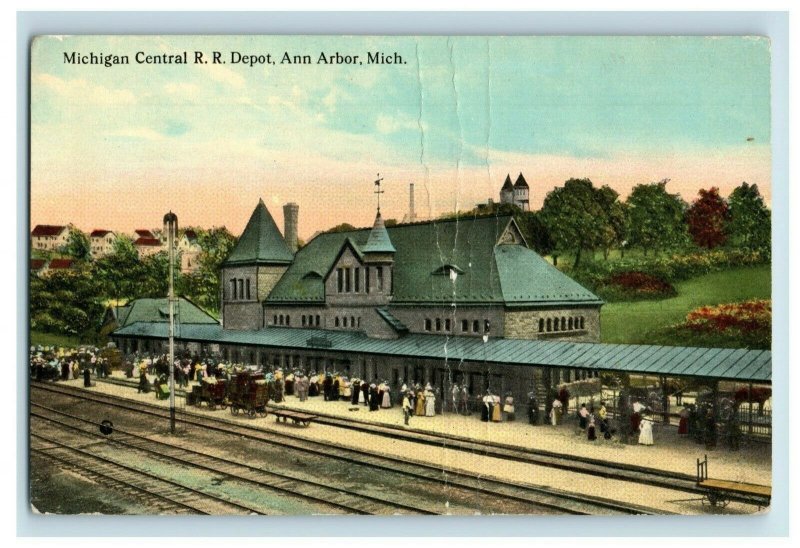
(133,480)
(349,502)
(552,499)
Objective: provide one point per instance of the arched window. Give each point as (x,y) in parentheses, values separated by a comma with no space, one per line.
(447,324)
(581,322)
(303,320)
(569,324)
(337,321)
(427,324)
(352,321)
(358,324)
(555,324)
(288,319)
(275,320)
(438,324)
(541,325)
(344,321)
(464,325)
(476,326)
(317,320)
(280,319)
(549,325)
(563,323)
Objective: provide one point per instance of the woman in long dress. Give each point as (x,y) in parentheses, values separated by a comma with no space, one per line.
(555,413)
(387,398)
(646,431)
(420,409)
(497,410)
(485,407)
(430,403)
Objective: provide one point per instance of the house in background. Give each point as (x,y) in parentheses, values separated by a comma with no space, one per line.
(189,250)
(101,243)
(146,246)
(49,237)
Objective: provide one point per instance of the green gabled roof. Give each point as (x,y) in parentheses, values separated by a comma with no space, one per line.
(525,277)
(261,242)
(489,274)
(157,310)
(379,240)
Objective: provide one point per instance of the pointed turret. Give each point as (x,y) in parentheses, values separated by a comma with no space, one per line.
(507,191)
(261,242)
(521,182)
(378,241)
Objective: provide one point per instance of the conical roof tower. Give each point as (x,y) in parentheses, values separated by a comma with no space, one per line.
(378,241)
(261,242)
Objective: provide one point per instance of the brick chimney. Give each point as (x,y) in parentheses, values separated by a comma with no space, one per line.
(290,214)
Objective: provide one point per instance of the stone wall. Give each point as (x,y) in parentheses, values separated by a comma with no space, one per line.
(526,324)
(414,317)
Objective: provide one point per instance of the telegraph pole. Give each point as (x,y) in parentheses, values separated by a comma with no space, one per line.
(171,229)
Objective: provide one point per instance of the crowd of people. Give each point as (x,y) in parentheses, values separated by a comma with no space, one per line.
(59,363)
(696,421)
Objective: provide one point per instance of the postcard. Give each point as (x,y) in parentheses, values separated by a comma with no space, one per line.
(399,275)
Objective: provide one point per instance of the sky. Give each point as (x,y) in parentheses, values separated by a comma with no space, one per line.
(117,147)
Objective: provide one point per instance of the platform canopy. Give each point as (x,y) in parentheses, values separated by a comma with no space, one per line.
(673,361)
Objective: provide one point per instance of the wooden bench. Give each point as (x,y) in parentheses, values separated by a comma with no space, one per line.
(720,492)
(297,418)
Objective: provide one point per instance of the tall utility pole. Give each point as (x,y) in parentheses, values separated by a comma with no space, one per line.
(171,230)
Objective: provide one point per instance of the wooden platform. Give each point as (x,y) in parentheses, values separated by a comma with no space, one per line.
(297,418)
(737,487)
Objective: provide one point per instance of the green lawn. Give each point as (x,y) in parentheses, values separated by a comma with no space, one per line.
(644,322)
(50,339)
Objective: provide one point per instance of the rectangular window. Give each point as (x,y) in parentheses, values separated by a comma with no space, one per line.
(339,280)
(303,320)
(248,289)
(288,320)
(427,324)
(317,320)
(347,285)
(357,280)
(438,324)
(476,326)
(464,325)
(447,324)
(275,320)
(380,278)
(366,279)
(241,288)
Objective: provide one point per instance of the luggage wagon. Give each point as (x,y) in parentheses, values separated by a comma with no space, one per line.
(721,492)
(248,394)
(212,391)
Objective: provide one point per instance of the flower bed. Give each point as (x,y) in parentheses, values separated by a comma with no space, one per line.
(748,321)
(635,285)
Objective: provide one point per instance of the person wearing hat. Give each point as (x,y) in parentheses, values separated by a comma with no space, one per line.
(364,396)
(420,403)
(508,407)
(374,404)
(386,401)
(430,401)
(313,384)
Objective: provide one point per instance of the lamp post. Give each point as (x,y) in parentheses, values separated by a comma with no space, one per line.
(171,231)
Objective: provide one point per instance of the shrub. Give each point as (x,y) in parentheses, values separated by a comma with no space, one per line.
(635,285)
(748,323)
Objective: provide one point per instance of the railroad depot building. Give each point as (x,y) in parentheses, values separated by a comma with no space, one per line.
(444,301)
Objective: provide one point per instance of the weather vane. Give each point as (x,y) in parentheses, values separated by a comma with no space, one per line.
(378,191)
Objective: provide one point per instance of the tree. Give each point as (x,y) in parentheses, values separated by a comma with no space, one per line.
(655,218)
(77,245)
(615,226)
(708,218)
(575,217)
(390,222)
(749,225)
(118,272)
(69,302)
(344,227)
(202,286)
(154,279)
(535,232)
